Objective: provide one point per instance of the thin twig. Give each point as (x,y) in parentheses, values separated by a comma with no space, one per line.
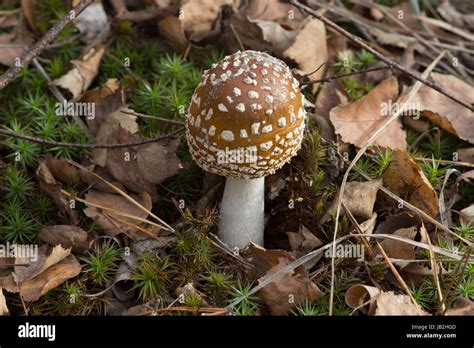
(153,117)
(359,42)
(334,77)
(40,45)
(87,146)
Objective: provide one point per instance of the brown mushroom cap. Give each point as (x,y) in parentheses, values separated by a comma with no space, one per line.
(246,117)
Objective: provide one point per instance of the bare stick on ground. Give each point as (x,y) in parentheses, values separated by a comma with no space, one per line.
(43,43)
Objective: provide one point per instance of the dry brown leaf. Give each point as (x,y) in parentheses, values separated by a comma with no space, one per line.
(274,11)
(3,304)
(8,21)
(109,223)
(464,306)
(444,112)
(276,35)
(199,16)
(62,170)
(309,50)
(114,121)
(53,276)
(79,78)
(358,121)
(359,198)
(302,243)
(388,303)
(67,236)
(401,250)
(106,99)
(284,294)
(466,154)
(52,188)
(171,29)
(141,168)
(36,267)
(332,94)
(28,9)
(395,222)
(467,214)
(92,23)
(14,43)
(453,16)
(407,180)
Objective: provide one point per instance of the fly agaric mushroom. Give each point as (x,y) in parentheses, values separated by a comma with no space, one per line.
(245,121)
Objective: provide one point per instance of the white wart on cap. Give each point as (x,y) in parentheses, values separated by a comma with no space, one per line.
(246,117)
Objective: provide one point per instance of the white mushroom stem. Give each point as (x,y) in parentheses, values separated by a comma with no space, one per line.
(242,212)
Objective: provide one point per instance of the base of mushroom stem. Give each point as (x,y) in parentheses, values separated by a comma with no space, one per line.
(242,212)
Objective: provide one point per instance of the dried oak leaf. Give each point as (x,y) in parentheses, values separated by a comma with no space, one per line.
(466,154)
(358,121)
(407,180)
(112,222)
(67,236)
(284,294)
(171,29)
(52,188)
(444,112)
(80,77)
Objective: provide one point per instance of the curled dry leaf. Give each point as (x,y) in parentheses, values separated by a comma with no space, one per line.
(359,198)
(444,112)
(3,304)
(358,121)
(28,9)
(407,180)
(92,23)
(285,293)
(111,221)
(79,78)
(395,222)
(198,17)
(359,296)
(67,236)
(52,188)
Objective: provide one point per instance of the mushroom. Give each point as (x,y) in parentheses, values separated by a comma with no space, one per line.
(245,121)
